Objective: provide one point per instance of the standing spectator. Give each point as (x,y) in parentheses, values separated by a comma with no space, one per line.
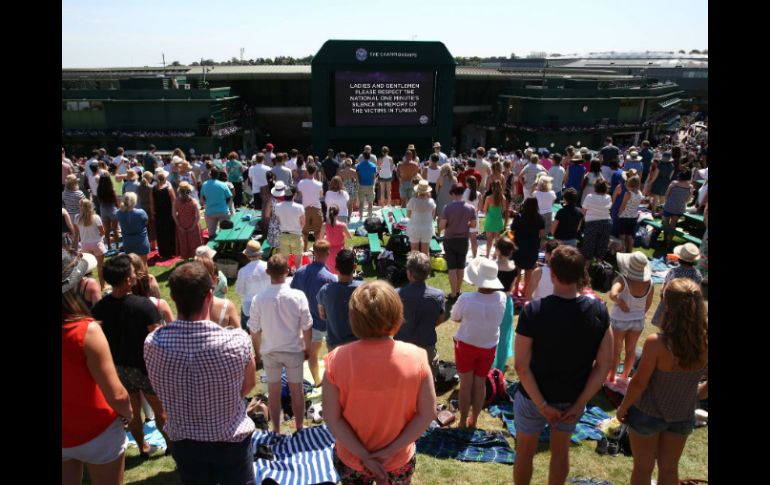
(661,399)
(108,208)
(349,178)
(222,311)
(589,180)
(291,218)
(401,394)
(385,169)
(280,324)
(71,196)
(367,170)
(121,164)
(607,154)
(506,273)
(133,223)
(431,173)
(407,169)
(456,220)
(563,353)
(529,174)
(280,171)
(677,195)
(67,230)
(469,172)
(474,198)
(443,185)
(311,191)
(646,155)
(258,177)
(545,159)
(252,279)
(421,211)
(540,284)
(629,210)
(144,202)
(335,233)
(568,220)
(495,175)
(616,176)
(162,204)
(483,166)
(598,224)
(495,219)
(556,172)
(94,402)
(545,198)
(309,280)
(272,228)
(146,285)
(528,229)
(635,162)
(127,319)
(216,195)
(269,155)
(329,168)
(659,180)
(632,293)
(442,158)
(423,308)
(703,262)
(67,169)
(186,212)
(337,195)
(291,163)
(149,160)
(479,315)
(186,175)
(575,173)
(89,231)
(130,184)
(333,299)
(210,434)
(688,255)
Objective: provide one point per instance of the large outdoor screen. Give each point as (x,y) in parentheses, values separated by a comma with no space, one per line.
(383,98)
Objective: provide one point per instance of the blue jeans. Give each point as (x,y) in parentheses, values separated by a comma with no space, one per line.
(209,463)
(647,425)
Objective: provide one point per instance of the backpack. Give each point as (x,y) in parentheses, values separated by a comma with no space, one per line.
(495,388)
(398,244)
(602,274)
(374,225)
(447,377)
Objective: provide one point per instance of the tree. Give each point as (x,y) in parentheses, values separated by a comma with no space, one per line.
(705,51)
(513,56)
(175,63)
(695,51)
(196,63)
(682,51)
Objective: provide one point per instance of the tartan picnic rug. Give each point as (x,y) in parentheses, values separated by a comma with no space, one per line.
(465,445)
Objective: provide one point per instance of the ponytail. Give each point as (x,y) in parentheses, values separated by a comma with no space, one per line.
(334,211)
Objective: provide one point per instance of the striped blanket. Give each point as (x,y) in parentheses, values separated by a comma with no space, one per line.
(305,458)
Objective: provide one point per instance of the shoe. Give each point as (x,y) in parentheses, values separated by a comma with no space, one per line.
(613,448)
(602,446)
(146,455)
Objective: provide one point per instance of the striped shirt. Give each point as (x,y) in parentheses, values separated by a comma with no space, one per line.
(71,201)
(197,369)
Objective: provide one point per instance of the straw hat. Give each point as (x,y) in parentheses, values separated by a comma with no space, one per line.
(634,156)
(279,190)
(482,273)
(410,147)
(437,145)
(204,252)
(253,249)
(576,158)
(422,187)
(687,252)
(74,268)
(634,266)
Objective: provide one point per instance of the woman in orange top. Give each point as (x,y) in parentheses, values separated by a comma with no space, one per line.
(94,402)
(378,394)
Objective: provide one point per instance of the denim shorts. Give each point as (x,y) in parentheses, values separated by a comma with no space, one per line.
(647,425)
(529,420)
(318,335)
(570,242)
(627,325)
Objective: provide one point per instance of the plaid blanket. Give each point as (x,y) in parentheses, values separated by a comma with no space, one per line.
(465,445)
(587,428)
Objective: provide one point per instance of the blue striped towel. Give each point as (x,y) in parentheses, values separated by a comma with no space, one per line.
(304,458)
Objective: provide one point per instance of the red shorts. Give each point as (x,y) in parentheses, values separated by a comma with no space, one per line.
(469,358)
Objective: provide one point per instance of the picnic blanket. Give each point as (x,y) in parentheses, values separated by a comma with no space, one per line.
(151,435)
(465,445)
(154,259)
(305,457)
(659,270)
(588,427)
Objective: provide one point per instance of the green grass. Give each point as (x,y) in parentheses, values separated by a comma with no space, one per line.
(584,461)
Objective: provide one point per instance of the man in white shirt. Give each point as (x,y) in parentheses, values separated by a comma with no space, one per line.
(291,218)
(92,174)
(557,174)
(442,158)
(258,179)
(281,329)
(311,190)
(367,149)
(529,174)
(291,164)
(252,279)
(122,164)
(483,166)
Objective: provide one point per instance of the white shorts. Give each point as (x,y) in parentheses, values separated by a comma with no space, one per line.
(275,362)
(419,235)
(105,448)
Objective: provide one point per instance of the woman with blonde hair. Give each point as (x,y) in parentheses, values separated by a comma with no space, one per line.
(398,390)
(495,176)
(385,169)
(494,219)
(186,175)
(337,195)
(421,210)
(473,197)
(72,196)
(222,310)
(545,198)
(444,183)
(147,286)
(129,183)
(89,231)
(161,206)
(187,216)
(659,406)
(628,209)
(349,177)
(133,223)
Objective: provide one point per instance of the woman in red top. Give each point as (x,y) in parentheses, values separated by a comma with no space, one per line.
(94,402)
(336,233)
(378,395)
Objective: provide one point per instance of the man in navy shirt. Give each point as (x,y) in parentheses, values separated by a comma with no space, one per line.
(608,153)
(333,299)
(423,308)
(309,279)
(646,155)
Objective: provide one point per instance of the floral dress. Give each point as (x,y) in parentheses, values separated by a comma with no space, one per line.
(351,187)
(273,228)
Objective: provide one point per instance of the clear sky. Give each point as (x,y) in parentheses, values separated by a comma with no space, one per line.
(98,33)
